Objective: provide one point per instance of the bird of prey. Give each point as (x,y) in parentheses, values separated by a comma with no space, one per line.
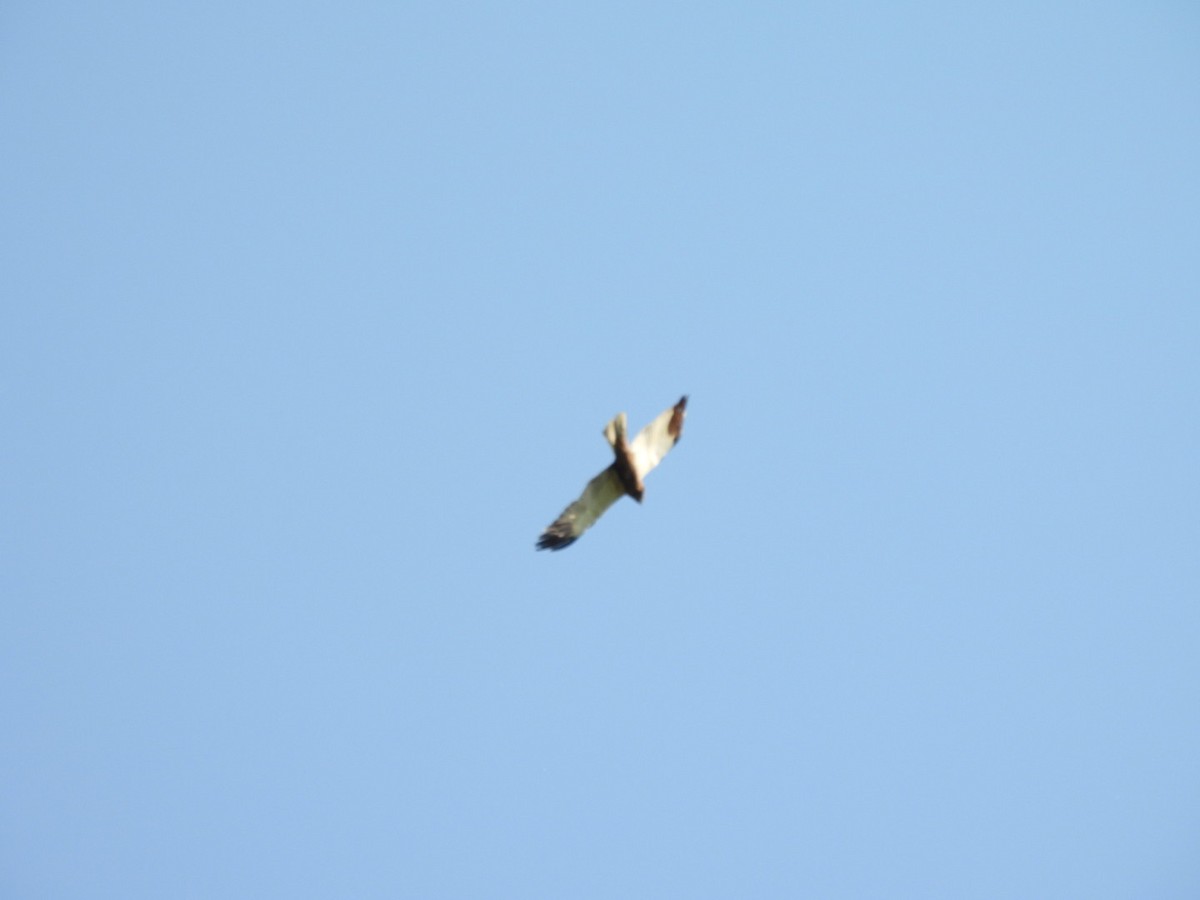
(633,462)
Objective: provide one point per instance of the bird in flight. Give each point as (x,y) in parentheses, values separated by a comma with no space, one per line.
(633,462)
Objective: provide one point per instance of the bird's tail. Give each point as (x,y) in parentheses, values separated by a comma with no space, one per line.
(615,431)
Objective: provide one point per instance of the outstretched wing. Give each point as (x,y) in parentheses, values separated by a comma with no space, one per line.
(653,441)
(601,492)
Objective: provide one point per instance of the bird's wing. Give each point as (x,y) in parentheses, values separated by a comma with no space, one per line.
(653,441)
(601,492)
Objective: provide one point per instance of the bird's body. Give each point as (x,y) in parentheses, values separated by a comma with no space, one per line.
(633,461)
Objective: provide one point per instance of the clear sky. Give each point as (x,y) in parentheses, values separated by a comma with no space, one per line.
(312,317)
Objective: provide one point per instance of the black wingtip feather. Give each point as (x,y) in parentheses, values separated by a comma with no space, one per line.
(551,541)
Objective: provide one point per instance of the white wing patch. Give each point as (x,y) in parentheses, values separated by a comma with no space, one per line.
(653,442)
(601,492)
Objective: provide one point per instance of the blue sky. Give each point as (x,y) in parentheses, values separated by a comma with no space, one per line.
(314,315)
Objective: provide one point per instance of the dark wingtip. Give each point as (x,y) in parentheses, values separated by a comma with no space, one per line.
(675,426)
(545,543)
(551,541)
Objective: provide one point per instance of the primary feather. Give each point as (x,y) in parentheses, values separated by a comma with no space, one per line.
(601,492)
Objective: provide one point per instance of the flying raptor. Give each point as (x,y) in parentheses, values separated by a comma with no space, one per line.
(633,462)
